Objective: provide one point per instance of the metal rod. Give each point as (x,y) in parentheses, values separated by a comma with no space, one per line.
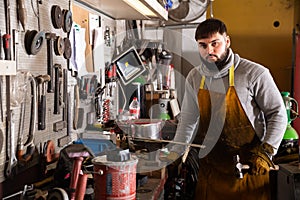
(169,141)
(211,9)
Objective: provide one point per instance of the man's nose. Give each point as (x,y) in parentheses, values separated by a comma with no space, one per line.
(210,49)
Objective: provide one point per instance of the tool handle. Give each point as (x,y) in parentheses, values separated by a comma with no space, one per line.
(42,113)
(81,186)
(22,14)
(65,94)
(56,92)
(1,57)
(7,46)
(77,163)
(50,65)
(77,104)
(25,156)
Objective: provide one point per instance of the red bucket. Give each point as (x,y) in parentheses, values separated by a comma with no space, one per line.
(118,181)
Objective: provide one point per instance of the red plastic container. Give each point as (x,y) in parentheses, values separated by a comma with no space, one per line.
(118,181)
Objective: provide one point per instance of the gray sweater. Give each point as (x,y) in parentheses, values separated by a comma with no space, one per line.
(256,90)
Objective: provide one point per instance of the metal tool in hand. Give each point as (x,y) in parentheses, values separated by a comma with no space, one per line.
(239,166)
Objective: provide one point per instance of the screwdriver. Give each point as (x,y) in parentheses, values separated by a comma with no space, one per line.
(6,46)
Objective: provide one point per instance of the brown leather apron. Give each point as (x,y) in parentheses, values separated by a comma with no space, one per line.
(217,179)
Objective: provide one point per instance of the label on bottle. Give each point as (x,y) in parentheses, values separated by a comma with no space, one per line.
(134,111)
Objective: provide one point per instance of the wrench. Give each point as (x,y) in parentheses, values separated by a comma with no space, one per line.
(22,192)
(12,161)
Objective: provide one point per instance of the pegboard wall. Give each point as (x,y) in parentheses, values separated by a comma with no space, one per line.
(38,19)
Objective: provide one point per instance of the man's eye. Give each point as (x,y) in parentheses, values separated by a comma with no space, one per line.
(204,46)
(214,44)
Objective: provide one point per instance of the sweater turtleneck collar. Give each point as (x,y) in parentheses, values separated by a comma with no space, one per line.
(218,70)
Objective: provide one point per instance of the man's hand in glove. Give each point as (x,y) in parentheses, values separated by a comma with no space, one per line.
(260,163)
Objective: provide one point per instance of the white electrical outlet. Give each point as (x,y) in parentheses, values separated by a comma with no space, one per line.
(8,67)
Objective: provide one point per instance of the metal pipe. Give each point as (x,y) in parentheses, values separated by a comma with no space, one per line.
(170,141)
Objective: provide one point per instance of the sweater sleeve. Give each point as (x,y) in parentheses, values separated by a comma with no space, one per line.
(189,117)
(269,100)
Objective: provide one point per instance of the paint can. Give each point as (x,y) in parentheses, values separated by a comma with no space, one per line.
(118,181)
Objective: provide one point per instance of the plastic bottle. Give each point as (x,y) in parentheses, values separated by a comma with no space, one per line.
(134,108)
(159,80)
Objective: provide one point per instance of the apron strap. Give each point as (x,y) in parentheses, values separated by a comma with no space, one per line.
(202,82)
(231,78)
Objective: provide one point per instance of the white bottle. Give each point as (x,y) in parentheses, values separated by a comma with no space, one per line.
(134,108)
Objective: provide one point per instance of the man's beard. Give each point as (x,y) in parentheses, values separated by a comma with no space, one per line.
(220,63)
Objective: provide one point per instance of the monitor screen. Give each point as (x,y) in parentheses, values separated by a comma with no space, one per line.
(129,65)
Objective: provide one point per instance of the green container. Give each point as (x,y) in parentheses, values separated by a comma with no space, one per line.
(289,102)
(290,133)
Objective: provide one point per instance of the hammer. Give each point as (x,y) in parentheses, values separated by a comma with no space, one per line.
(41,80)
(50,37)
(239,166)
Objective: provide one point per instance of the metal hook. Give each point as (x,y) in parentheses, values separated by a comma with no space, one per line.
(211,9)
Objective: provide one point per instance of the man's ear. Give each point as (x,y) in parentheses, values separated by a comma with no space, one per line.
(228,42)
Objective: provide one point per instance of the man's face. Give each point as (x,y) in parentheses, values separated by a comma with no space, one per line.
(214,48)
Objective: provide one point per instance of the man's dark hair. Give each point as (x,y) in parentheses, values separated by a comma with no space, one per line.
(209,27)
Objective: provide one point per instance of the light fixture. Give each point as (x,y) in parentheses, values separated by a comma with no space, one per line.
(140,7)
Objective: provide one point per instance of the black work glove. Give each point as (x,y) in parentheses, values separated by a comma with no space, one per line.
(260,162)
